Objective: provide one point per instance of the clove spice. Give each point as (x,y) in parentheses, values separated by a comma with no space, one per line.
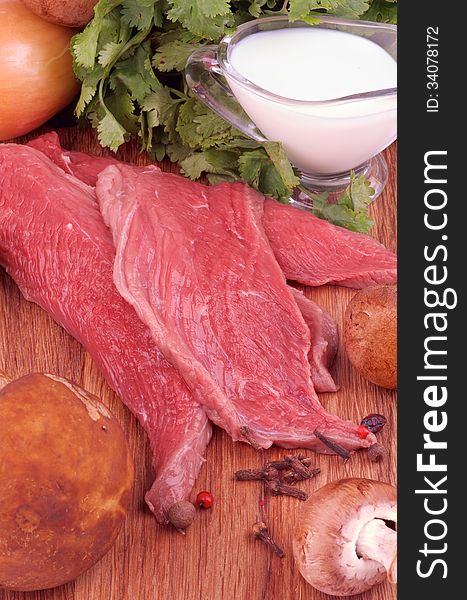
(281,489)
(260,531)
(293,477)
(279,476)
(340,450)
(268,473)
(250,475)
(297,467)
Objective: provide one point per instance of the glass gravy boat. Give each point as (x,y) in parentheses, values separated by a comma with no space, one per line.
(323,139)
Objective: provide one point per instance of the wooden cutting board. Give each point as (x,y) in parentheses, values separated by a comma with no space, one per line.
(218,559)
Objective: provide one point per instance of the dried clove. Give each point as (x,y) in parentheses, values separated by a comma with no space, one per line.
(280,489)
(268,473)
(249,475)
(306,460)
(260,531)
(293,477)
(280,465)
(299,467)
(340,450)
(271,473)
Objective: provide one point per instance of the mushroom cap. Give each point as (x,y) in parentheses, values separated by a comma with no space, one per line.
(66,476)
(370,334)
(327,530)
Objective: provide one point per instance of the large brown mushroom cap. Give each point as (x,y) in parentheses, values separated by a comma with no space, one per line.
(328,528)
(370,334)
(65,482)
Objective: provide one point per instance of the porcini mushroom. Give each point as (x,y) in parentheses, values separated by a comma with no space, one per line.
(345,538)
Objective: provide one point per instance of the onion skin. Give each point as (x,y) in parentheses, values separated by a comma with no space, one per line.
(37,78)
(71,13)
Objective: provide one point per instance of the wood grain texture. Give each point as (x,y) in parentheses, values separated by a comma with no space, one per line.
(218,559)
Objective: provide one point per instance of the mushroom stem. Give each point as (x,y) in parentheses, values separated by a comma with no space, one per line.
(378,542)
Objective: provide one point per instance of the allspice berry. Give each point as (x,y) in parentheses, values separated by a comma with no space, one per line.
(377,452)
(181,514)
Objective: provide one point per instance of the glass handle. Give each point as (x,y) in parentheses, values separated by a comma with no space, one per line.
(205,79)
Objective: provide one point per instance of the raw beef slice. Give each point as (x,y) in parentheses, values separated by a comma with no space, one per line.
(196,265)
(323,329)
(315,252)
(56,247)
(323,350)
(308,249)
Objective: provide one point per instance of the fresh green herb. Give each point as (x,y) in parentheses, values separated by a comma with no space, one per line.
(382,11)
(351,209)
(130,60)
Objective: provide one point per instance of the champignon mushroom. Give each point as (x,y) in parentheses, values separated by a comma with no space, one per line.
(345,538)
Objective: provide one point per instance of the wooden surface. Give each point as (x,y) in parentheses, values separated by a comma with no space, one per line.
(218,559)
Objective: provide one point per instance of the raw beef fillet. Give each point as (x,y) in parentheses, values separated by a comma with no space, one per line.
(325,341)
(315,252)
(196,265)
(81,165)
(56,247)
(308,249)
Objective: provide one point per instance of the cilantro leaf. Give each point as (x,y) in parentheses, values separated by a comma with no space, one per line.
(361,192)
(303,9)
(122,108)
(109,53)
(351,209)
(206,18)
(199,127)
(281,162)
(88,89)
(136,74)
(257,169)
(138,13)
(84,44)
(383,11)
(110,133)
(256,7)
(205,162)
(173,55)
(160,111)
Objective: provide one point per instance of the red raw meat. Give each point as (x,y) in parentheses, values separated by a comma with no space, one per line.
(83,166)
(56,247)
(308,249)
(325,341)
(196,265)
(315,252)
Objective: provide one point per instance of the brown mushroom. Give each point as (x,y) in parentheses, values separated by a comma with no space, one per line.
(65,482)
(370,334)
(345,538)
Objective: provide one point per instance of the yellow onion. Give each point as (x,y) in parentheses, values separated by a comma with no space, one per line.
(37,78)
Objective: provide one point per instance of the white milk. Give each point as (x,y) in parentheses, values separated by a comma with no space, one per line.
(315,64)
